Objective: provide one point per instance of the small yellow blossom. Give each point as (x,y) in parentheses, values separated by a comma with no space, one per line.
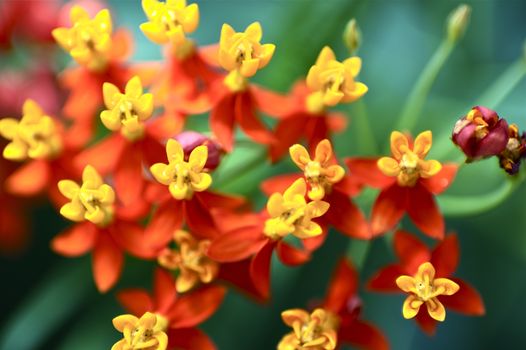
(332,82)
(319,172)
(127,111)
(423,287)
(170,21)
(242,54)
(317,331)
(183,177)
(407,164)
(88,41)
(190,260)
(291,214)
(92,201)
(145,333)
(35,136)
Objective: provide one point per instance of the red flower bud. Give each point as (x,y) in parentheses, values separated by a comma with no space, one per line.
(191,139)
(481,133)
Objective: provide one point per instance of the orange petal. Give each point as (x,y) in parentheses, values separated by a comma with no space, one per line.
(164,292)
(445,256)
(194,308)
(410,250)
(440,182)
(76,240)
(166,219)
(30,179)
(237,245)
(366,171)
(466,300)
(107,261)
(388,209)
(424,212)
(104,156)
(128,175)
(385,279)
(135,301)
(190,339)
(290,255)
(222,122)
(278,183)
(248,120)
(271,103)
(342,287)
(260,270)
(363,335)
(346,217)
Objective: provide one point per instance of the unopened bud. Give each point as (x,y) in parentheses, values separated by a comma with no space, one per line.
(457,22)
(189,140)
(352,36)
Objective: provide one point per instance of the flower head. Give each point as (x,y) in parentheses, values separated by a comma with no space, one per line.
(291,214)
(320,173)
(190,260)
(510,159)
(315,331)
(147,332)
(407,163)
(126,111)
(332,82)
(183,178)
(92,200)
(169,21)
(88,40)
(481,133)
(189,140)
(35,136)
(423,288)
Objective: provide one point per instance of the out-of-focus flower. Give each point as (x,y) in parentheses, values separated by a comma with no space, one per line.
(315,331)
(457,22)
(189,140)
(481,133)
(408,184)
(412,254)
(510,159)
(147,332)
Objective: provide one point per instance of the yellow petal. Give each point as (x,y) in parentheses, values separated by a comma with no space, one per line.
(134,87)
(162,340)
(275,205)
(399,144)
(325,56)
(198,158)
(266,53)
(254,31)
(298,188)
(191,20)
(110,93)
(317,208)
(334,173)
(120,322)
(177,192)
(174,151)
(332,97)
(145,109)
(309,230)
(77,13)
(203,183)
(73,211)
(103,18)
(158,171)
(149,6)
(111,119)
(406,283)
(316,192)
(426,272)
(32,109)
(358,90)
(430,168)
(411,307)
(8,128)
(313,81)
(249,67)
(436,310)
(423,143)
(354,65)
(154,33)
(186,281)
(68,188)
(299,155)
(445,286)
(91,178)
(15,151)
(148,320)
(388,166)
(96,216)
(323,152)
(62,37)
(293,315)
(226,33)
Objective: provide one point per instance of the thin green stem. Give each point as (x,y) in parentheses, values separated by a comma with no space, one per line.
(503,85)
(364,135)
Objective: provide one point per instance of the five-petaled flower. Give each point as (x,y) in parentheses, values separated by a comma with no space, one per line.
(147,332)
(407,182)
(314,331)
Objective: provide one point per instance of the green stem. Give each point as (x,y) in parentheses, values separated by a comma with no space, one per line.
(503,85)
(364,135)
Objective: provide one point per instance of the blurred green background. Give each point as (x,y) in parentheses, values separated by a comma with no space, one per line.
(50,302)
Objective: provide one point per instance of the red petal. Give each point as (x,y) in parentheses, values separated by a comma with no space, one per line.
(238,275)
(271,103)
(75,241)
(153,150)
(104,156)
(342,287)
(135,301)
(336,121)
(199,219)
(388,209)
(193,308)
(107,262)
(425,321)
(364,336)
(164,293)
(316,131)
(466,301)
(441,181)
(122,43)
(165,127)
(366,171)
(129,182)
(349,185)
(248,120)
(290,255)
(410,250)
(287,132)
(311,244)
(189,339)
(260,270)
(423,210)
(30,179)
(385,279)
(445,256)
(278,183)
(222,121)
(220,200)
(166,219)
(131,237)
(237,245)
(209,54)
(346,217)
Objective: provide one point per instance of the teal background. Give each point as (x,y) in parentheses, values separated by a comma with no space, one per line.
(50,302)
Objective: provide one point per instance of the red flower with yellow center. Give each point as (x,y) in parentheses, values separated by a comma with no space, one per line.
(147,332)
(315,331)
(407,182)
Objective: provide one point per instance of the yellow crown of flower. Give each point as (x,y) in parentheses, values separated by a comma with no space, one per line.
(169,22)
(34,136)
(408,165)
(126,112)
(315,331)
(291,214)
(147,332)
(88,41)
(319,172)
(332,82)
(92,200)
(183,177)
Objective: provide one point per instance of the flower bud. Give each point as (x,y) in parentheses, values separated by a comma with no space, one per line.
(457,22)
(510,158)
(189,140)
(352,36)
(481,133)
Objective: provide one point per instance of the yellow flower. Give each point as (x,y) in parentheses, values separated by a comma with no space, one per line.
(146,333)
(169,21)
(183,177)
(407,164)
(332,82)
(35,136)
(291,214)
(317,331)
(242,54)
(424,288)
(190,260)
(127,111)
(92,201)
(319,172)
(88,41)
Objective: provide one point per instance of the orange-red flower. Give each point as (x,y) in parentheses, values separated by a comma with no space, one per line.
(182,313)
(412,253)
(408,184)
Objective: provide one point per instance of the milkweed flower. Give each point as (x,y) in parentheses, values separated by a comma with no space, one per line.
(189,140)
(510,159)
(325,180)
(407,182)
(417,263)
(314,331)
(140,333)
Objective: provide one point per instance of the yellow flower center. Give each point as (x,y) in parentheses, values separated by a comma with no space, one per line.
(183,177)
(146,333)
(92,201)
(316,331)
(189,260)
(35,136)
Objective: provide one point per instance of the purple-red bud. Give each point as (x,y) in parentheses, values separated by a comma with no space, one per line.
(189,140)
(510,159)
